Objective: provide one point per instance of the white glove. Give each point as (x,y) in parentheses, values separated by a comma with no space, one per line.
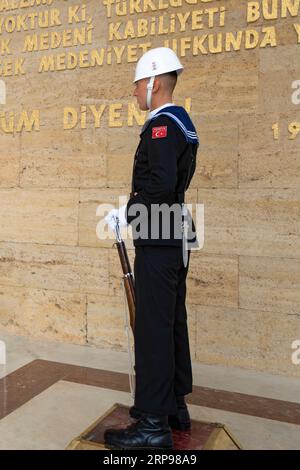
(111,218)
(122,216)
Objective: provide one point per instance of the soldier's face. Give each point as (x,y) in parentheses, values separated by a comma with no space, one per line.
(140,91)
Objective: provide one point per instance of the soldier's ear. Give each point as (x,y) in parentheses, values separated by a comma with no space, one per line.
(156,85)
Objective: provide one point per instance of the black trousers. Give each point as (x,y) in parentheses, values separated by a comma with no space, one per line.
(162,354)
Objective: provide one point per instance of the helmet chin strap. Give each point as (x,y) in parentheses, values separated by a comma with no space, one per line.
(149,91)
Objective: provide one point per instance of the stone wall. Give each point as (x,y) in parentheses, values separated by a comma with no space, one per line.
(68,131)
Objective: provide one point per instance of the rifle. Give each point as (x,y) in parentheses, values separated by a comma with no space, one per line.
(128,278)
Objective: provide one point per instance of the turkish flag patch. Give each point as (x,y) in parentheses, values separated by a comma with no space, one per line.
(159,132)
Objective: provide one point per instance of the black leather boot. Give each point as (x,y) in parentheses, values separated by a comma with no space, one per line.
(181,421)
(149,432)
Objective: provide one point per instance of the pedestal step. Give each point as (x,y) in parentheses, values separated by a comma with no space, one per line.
(201,436)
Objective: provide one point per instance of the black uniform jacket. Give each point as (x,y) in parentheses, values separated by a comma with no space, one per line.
(164,164)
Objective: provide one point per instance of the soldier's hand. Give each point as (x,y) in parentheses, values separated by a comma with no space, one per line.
(116,215)
(111,219)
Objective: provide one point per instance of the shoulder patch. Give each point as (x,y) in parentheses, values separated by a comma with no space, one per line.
(159,132)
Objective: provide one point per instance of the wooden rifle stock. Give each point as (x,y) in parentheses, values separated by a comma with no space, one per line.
(128,281)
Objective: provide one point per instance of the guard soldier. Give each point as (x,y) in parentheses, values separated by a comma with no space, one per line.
(164,164)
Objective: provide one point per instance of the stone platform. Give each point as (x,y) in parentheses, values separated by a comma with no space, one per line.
(202,436)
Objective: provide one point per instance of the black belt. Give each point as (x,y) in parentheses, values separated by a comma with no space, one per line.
(179,197)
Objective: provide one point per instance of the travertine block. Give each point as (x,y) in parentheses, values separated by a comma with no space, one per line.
(39,216)
(106,322)
(10,146)
(57,157)
(272,97)
(122,144)
(255,222)
(61,268)
(44,314)
(256,135)
(279,169)
(285,58)
(224,84)
(246,338)
(64,164)
(221,221)
(213,280)
(45,91)
(62,171)
(269,223)
(119,169)
(217,156)
(98,83)
(270,284)
(10,167)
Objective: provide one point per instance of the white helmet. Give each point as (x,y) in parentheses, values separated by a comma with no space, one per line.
(156,62)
